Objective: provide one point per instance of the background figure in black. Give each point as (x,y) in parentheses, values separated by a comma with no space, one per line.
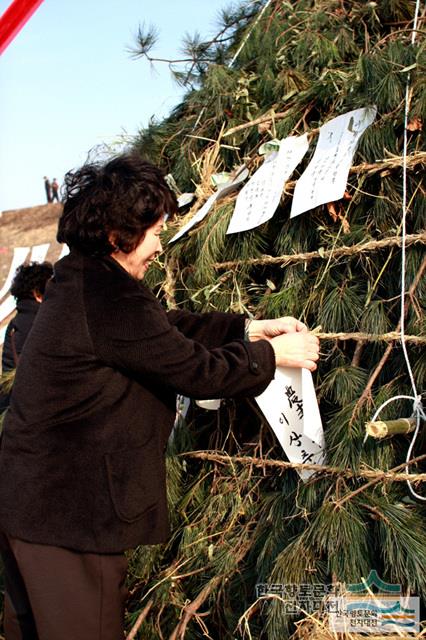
(55,189)
(48,188)
(28,288)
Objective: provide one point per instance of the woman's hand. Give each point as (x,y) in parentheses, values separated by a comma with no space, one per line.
(297,349)
(268,329)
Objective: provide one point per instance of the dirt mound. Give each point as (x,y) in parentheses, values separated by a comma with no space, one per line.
(27,228)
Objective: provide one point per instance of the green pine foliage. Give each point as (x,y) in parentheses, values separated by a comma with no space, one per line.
(235,524)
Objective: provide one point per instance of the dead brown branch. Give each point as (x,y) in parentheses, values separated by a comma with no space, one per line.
(371,483)
(190,610)
(141,617)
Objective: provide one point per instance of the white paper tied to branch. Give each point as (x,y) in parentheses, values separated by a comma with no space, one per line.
(260,197)
(224,189)
(290,406)
(210,405)
(326,176)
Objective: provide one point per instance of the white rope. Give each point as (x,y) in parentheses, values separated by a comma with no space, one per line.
(247,36)
(418,411)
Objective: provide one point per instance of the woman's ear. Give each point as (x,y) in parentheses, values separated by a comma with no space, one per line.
(37,295)
(112,239)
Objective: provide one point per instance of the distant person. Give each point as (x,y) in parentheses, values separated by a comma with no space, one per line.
(48,188)
(28,288)
(55,191)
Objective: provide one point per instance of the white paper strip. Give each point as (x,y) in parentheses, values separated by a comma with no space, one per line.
(326,176)
(39,252)
(2,334)
(7,307)
(210,405)
(182,405)
(222,191)
(19,256)
(64,251)
(259,198)
(290,406)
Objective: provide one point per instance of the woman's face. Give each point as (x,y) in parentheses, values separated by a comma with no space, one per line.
(138,260)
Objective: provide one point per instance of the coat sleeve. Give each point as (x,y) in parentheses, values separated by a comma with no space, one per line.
(210,329)
(8,361)
(137,337)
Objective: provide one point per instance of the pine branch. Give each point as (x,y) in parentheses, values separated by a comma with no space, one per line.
(366,394)
(190,610)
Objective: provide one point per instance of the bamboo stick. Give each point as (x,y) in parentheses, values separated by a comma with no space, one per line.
(384,428)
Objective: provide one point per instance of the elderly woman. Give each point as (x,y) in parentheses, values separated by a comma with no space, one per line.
(82,465)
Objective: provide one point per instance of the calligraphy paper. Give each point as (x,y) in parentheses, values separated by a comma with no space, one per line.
(260,197)
(326,176)
(290,406)
(222,191)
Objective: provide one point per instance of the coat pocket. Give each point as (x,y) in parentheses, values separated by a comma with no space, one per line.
(133,480)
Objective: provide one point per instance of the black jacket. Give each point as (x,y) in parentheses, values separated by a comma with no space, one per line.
(82,462)
(19,327)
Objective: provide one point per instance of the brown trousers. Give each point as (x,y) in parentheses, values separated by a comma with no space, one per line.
(53,593)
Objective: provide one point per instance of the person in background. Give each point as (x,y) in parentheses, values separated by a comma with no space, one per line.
(55,191)
(82,462)
(28,288)
(48,189)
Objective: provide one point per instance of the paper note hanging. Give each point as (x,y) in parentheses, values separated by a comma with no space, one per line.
(222,191)
(260,197)
(290,406)
(325,178)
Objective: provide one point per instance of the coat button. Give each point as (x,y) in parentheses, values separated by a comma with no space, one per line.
(255,366)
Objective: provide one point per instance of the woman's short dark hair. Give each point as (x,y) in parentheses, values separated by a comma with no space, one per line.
(126,196)
(30,278)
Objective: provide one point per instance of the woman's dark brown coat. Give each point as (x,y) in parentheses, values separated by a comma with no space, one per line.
(82,461)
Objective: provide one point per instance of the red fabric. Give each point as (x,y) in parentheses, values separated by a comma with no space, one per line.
(14,18)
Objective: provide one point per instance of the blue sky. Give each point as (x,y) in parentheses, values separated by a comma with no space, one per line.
(68,84)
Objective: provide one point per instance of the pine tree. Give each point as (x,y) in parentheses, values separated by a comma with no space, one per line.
(240,516)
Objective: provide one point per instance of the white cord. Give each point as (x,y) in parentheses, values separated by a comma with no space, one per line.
(247,36)
(241,47)
(418,411)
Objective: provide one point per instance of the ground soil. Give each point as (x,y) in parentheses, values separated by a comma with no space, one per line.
(27,228)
